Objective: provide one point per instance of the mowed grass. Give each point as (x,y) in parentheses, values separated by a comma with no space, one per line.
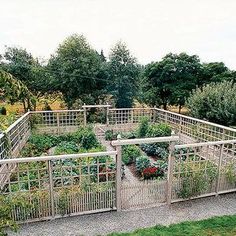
(224,225)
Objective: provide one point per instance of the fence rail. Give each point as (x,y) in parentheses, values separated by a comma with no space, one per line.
(54,186)
(203,169)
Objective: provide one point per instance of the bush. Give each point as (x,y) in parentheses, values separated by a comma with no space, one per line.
(109,135)
(130,153)
(143,127)
(85,138)
(215,102)
(158,130)
(5,216)
(3,111)
(163,165)
(196,178)
(157,149)
(43,142)
(66,148)
(141,163)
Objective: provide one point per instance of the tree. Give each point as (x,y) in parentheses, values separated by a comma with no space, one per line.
(170,80)
(24,67)
(14,90)
(215,102)
(215,72)
(123,75)
(77,71)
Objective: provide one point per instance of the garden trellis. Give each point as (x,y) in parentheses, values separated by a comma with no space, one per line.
(201,162)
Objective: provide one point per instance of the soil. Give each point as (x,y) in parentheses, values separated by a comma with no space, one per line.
(132,169)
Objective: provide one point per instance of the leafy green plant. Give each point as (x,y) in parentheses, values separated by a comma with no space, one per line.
(196,177)
(3,111)
(109,135)
(161,164)
(157,149)
(85,137)
(66,148)
(130,153)
(143,127)
(158,130)
(207,103)
(6,220)
(10,203)
(141,163)
(230,173)
(7,120)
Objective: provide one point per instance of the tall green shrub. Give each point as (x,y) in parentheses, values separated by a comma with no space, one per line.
(143,127)
(215,102)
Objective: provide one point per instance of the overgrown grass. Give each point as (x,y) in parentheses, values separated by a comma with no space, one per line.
(224,225)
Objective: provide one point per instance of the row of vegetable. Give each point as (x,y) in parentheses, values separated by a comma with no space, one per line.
(149,160)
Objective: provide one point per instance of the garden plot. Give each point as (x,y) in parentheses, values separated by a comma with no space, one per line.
(147,161)
(79,184)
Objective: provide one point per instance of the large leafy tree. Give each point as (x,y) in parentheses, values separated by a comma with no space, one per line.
(123,73)
(24,67)
(215,72)
(14,90)
(170,80)
(215,102)
(77,71)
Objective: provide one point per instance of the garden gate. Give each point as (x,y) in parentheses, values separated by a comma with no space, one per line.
(143,194)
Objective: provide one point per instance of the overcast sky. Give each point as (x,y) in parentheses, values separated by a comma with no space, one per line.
(151,28)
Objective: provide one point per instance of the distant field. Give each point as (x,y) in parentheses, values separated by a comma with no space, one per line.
(18,107)
(58,105)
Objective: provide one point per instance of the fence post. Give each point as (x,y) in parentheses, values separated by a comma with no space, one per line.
(118,178)
(107,116)
(58,124)
(85,116)
(166,120)
(154,114)
(51,188)
(132,115)
(219,169)
(171,159)
(180,125)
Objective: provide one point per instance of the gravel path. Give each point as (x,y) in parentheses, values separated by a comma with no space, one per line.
(129,178)
(104,223)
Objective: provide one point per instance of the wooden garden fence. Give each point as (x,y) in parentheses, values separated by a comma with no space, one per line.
(199,149)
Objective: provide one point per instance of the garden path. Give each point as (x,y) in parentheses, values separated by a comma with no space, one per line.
(129,177)
(126,221)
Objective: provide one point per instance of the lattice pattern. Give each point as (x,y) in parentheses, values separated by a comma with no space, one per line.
(194,130)
(18,134)
(205,169)
(129,115)
(60,187)
(3,147)
(57,122)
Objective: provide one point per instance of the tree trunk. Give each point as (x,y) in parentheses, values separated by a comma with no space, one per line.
(25,109)
(165,106)
(180,107)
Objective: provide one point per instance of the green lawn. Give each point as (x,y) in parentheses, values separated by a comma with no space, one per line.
(225,225)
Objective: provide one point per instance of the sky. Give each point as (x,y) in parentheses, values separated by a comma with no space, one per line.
(150,28)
